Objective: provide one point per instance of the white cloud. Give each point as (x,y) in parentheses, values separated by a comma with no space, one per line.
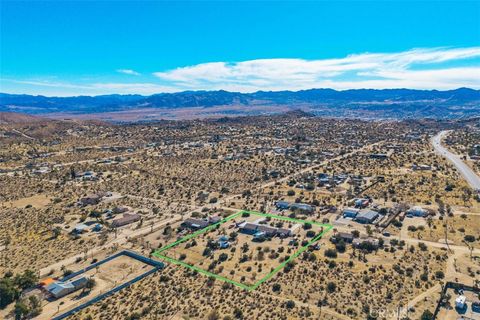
(433,68)
(416,68)
(64,89)
(129,72)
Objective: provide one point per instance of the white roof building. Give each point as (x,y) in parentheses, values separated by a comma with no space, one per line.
(460,302)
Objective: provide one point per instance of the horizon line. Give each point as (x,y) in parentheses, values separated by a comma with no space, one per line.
(236,92)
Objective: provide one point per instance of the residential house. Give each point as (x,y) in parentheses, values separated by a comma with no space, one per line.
(366,216)
(422,167)
(91,200)
(268,231)
(80,228)
(282,205)
(461,302)
(417,212)
(195,224)
(372,242)
(350,212)
(126,219)
(302,208)
(346,237)
(362,203)
(378,156)
(223,242)
(60,289)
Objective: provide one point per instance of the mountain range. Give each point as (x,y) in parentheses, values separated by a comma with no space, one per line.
(365,103)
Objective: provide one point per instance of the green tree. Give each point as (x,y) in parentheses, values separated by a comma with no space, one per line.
(21,310)
(8,292)
(427,315)
(26,280)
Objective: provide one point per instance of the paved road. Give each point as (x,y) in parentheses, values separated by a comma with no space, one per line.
(472,178)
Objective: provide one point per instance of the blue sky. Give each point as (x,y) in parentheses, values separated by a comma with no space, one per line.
(101,47)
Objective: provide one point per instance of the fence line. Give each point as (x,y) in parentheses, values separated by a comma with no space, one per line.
(452,285)
(156,264)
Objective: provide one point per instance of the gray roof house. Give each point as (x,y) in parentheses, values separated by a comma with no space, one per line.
(60,289)
(366,216)
(193,223)
(302,207)
(253,228)
(126,219)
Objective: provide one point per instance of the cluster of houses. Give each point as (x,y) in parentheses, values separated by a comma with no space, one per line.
(127,218)
(324,179)
(42,168)
(259,230)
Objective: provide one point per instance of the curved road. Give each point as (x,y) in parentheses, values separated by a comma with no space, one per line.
(472,178)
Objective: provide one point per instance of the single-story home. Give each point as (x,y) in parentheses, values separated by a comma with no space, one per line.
(126,219)
(422,167)
(378,156)
(302,208)
(254,228)
(223,242)
(460,302)
(92,199)
(366,216)
(345,236)
(350,212)
(476,306)
(193,223)
(60,289)
(80,228)
(214,219)
(362,203)
(282,205)
(417,212)
(357,242)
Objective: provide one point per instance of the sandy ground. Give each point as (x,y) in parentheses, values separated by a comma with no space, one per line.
(248,272)
(37,201)
(453,314)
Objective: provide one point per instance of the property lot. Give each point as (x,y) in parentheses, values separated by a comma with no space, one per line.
(106,276)
(246,248)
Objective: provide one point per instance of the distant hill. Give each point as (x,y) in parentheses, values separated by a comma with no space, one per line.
(14,118)
(367,103)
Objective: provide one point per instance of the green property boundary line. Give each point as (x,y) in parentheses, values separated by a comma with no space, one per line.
(157,253)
